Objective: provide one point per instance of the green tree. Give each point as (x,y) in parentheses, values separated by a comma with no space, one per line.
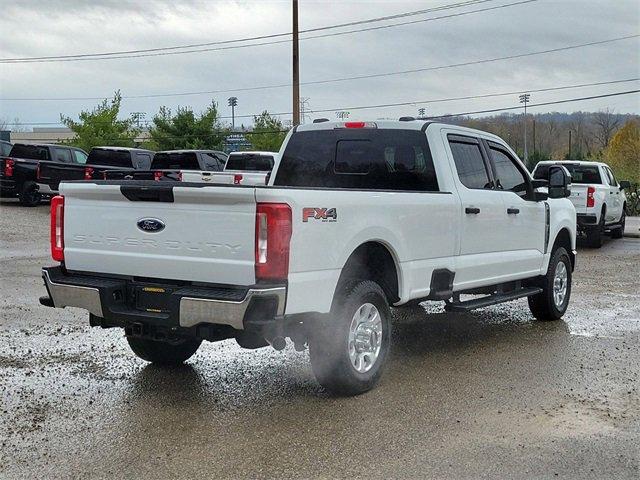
(268,133)
(187,130)
(623,152)
(101,126)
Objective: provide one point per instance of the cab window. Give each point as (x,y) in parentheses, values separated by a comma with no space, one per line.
(62,155)
(508,174)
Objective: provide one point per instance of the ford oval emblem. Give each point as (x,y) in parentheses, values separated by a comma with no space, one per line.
(151,225)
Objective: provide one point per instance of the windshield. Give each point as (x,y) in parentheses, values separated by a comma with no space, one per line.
(249,161)
(175,161)
(111,158)
(579,173)
(32,152)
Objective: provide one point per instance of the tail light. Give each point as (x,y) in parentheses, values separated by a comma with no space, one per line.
(57,228)
(179,176)
(273,235)
(591,201)
(157,176)
(88,173)
(357,125)
(237,179)
(8,167)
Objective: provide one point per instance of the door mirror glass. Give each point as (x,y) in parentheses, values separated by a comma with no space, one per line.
(559,180)
(625,184)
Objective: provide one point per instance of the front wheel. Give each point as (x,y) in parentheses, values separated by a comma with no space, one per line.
(163,353)
(552,302)
(348,350)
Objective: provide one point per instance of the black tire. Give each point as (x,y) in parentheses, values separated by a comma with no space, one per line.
(163,353)
(329,344)
(594,236)
(543,305)
(618,232)
(30,196)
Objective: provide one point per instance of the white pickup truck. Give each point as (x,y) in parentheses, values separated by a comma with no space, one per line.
(241,168)
(357,217)
(599,199)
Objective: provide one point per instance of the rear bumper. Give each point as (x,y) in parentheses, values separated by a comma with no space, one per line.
(8,187)
(118,301)
(586,220)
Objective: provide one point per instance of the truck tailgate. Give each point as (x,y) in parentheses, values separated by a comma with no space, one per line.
(579,197)
(204,234)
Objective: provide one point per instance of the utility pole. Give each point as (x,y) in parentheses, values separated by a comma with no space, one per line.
(296,67)
(524,98)
(304,109)
(233,103)
(569,145)
(421,112)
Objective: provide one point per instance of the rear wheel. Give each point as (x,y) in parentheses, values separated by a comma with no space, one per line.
(30,196)
(552,302)
(161,352)
(594,237)
(618,232)
(348,350)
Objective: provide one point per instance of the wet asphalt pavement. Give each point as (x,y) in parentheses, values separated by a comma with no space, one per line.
(489,394)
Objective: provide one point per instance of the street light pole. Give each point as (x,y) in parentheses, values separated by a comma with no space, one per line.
(296,68)
(524,98)
(233,102)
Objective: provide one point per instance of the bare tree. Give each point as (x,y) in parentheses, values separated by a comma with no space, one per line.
(606,123)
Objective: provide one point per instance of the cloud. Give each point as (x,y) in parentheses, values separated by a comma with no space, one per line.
(70,27)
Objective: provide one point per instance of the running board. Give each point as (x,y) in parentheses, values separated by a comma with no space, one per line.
(491,300)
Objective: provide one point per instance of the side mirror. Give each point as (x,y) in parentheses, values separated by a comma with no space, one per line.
(538,196)
(559,180)
(625,184)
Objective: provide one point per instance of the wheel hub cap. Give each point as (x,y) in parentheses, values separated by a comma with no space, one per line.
(560,280)
(365,337)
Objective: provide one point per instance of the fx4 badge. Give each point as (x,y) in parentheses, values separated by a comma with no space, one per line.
(323,214)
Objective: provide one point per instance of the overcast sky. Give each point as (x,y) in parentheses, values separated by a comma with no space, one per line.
(47,27)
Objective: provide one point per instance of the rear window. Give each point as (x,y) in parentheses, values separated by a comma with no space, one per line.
(111,158)
(175,161)
(249,161)
(579,173)
(358,159)
(31,152)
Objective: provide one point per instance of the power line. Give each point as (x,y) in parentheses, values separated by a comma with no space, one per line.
(415,102)
(261,37)
(344,79)
(556,102)
(232,47)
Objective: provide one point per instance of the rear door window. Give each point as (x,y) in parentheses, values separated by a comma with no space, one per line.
(470,165)
(507,174)
(379,159)
(62,155)
(212,162)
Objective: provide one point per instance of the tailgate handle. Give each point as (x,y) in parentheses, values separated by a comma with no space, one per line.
(156,193)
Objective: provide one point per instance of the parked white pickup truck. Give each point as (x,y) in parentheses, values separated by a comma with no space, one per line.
(599,199)
(357,217)
(241,168)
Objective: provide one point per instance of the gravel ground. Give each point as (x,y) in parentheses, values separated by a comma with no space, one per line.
(488,394)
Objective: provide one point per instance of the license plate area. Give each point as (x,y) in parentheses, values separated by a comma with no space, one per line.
(149,298)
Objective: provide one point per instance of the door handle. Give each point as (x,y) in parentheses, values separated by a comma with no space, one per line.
(513,211)
(472,210)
